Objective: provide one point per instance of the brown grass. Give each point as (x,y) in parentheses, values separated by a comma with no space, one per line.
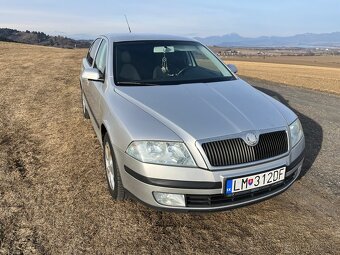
(313,77)
(323,60)
(53,194)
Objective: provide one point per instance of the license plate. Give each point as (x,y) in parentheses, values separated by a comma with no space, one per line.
(255,181)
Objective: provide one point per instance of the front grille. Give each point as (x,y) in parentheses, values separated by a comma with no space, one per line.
(222,200)
(236,151)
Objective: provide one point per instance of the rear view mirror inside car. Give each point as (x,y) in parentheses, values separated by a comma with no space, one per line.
(164,49)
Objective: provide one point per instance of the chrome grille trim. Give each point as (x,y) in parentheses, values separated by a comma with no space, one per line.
(235,151)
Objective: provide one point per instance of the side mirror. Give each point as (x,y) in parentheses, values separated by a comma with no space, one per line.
(92,74)
(232,68)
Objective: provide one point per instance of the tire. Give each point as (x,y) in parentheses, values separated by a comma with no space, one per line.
(85,112)
(114,180)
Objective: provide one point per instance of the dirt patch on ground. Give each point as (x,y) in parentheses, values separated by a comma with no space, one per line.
(53,194)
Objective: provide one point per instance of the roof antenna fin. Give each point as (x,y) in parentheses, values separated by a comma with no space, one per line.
(127,22)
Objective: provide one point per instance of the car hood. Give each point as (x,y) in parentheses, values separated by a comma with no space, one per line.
(207,110)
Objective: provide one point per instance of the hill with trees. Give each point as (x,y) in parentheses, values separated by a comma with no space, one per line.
(40,38)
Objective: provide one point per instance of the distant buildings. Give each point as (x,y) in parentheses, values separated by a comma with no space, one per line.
(228,52)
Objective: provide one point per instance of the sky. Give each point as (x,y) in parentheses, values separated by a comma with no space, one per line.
(249,18)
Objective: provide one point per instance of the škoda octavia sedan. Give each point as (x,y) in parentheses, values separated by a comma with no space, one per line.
(180,130)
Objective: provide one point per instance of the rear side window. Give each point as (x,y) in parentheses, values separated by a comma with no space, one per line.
(92,51)
(100,62)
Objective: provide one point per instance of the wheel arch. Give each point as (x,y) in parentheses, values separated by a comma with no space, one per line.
(103,132)
(105,128)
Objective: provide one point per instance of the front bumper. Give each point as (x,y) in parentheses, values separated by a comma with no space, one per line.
(203,189)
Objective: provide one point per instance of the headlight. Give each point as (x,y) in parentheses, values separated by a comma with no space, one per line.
(295,131)
(163,153)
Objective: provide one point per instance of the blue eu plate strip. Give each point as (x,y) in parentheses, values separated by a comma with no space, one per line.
(229,188)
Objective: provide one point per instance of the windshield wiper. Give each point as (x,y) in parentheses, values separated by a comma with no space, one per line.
(218,79)
(135,83)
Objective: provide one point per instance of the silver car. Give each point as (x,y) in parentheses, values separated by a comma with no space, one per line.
(180,130)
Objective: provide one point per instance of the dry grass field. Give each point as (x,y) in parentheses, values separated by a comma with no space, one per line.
(53,194)
(322,60)
(320,78)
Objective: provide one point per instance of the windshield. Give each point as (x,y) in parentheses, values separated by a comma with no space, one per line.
(166,62)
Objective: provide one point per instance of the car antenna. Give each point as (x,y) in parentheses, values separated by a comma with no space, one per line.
(127,22)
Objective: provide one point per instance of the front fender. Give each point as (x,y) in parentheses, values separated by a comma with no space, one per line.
(126,122)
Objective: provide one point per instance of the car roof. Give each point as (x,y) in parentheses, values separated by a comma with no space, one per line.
(144,37)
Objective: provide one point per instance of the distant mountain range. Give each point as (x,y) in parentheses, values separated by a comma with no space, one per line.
(40,38)
(307,40)
(300,40)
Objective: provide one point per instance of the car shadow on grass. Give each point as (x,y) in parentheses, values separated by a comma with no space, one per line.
(312,130)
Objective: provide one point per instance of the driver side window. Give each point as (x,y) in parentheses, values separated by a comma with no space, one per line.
(92,51)
(100,61)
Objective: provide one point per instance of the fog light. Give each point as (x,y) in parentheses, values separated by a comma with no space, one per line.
(169,199)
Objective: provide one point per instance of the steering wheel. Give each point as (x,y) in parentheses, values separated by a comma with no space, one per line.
(183,70)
